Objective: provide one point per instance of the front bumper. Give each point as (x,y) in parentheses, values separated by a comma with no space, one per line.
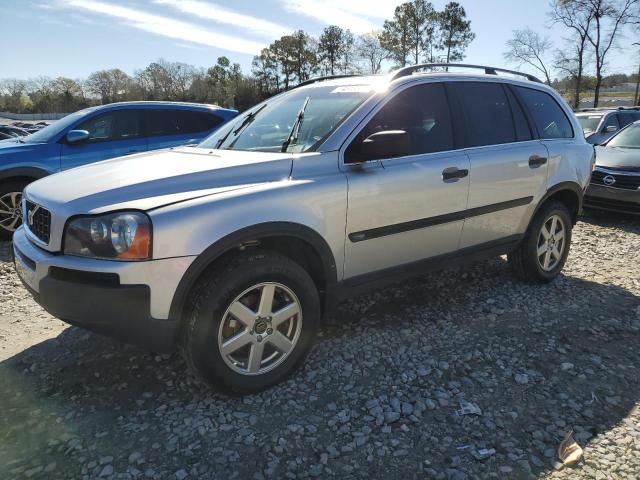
(126,300)
(612,199)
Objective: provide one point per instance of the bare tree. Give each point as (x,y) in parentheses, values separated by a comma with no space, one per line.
(528,47)
(609,16)
(370,51)
(578,20)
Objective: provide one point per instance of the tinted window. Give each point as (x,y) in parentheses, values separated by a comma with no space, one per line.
(116,125)
(625,118)
(487,114)
(549,118)
(523,132)
(180,122)
(421,111)
(611,121)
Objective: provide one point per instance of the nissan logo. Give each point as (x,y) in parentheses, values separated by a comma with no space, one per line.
(608,180)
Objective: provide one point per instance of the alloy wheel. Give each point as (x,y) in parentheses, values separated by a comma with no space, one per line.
(551,243)
(260,328)
(10,211)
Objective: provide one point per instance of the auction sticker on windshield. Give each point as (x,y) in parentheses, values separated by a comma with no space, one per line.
(353,89)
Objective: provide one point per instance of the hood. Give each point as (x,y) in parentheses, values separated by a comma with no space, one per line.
(618,158)
(12,145)
(154,179)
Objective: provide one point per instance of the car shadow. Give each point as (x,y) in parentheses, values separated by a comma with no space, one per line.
(627,222)
(465,333)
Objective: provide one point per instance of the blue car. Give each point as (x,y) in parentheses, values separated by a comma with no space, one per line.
(95,134)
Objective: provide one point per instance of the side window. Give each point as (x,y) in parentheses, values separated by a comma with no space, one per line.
(487,114)
(422,111)
(625,118)
(611,121)
(196,122)
(115,125)
(161,122)
(550,119)
(180,122)
(523,131)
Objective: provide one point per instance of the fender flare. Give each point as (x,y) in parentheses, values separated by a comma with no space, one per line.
(235,239)
(29,172)
(570,186)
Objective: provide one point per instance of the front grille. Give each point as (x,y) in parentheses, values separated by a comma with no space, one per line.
(38,221)
(622,180)
(607,204)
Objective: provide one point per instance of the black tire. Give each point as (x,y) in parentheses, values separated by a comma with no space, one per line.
(7,188)
(214,294)
(524,261)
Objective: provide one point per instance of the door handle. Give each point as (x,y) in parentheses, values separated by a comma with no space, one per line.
(131,152)
(453,174)
(535,161)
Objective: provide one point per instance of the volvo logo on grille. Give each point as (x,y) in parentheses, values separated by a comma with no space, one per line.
(609,180)
(30,215)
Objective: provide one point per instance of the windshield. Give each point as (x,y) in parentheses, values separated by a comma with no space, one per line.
(627,138)
(294,122)
(589,123)
(53,130)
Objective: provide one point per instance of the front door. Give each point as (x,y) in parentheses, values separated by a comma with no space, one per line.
(111,134)
(402,209)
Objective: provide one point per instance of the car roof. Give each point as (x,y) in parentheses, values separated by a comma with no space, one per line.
(387,79)
(160,105)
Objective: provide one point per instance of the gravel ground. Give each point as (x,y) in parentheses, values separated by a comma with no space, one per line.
(378,397)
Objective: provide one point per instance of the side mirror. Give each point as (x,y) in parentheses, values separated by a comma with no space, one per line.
(77,136)
(379,145)
(611,129)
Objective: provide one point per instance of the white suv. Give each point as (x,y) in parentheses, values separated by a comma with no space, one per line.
(236,249)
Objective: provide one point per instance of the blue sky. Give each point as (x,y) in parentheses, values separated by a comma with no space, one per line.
(75,37)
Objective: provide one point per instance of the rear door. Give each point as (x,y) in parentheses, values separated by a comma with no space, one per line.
(174,127)
(508,164)
(111,134)
(402,209)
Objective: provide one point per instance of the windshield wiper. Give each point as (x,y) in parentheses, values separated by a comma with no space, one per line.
(246,121)
(293,134)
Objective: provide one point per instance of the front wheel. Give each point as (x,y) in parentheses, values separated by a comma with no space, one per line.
(252,322)
(545,247)
(10,211)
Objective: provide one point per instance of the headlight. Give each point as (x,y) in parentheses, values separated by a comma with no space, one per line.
(116,236)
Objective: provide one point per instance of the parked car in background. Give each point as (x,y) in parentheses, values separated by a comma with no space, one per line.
(13,131)
(615,182)
(95,134)
(599,124)
(235,249)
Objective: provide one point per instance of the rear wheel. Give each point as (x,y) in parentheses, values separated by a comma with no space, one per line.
(252,322)
(544,250)
(10,211)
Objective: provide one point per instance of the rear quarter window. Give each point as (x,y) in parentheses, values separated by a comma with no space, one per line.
(548,116)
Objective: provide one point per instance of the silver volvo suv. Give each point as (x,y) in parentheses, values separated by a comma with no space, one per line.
(235,250)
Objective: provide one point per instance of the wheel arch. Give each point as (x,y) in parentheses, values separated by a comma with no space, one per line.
(569,193)
(28,174)
(299,242)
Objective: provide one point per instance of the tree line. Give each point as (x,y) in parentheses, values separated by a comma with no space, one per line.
(416,33)
(594,28)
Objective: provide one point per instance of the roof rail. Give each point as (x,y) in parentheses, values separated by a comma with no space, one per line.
(321,79)
(403,72)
